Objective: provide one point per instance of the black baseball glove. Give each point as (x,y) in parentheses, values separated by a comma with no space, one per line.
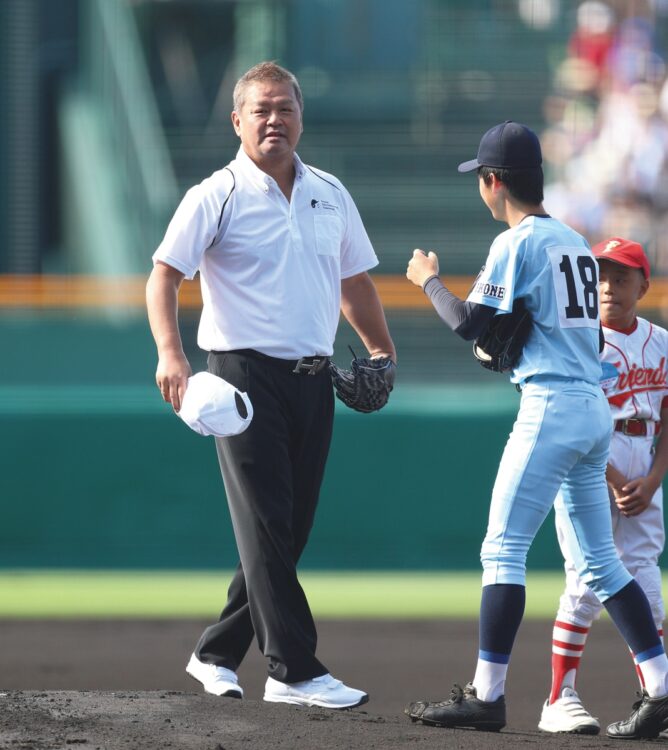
(499,346)
(366,386)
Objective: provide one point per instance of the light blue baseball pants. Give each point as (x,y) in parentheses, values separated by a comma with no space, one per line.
(561,439)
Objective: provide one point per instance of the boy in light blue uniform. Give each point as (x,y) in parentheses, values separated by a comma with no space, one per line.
(560,438)
(538,261)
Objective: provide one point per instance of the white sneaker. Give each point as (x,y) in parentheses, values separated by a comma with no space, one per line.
(322,691)
(567,714)
(216,680)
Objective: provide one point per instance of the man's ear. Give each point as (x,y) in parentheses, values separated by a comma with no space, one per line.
(644,287)
(236,122)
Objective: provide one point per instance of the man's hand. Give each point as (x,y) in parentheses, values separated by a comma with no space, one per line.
(635,496)
(421,266)
(172,378)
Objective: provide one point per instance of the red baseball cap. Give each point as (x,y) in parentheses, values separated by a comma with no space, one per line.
(624,252)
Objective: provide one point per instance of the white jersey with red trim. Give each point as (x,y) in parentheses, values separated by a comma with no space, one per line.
(635,370)
(635,381)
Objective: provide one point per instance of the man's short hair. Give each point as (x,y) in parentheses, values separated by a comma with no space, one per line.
(265,71)
(525,185)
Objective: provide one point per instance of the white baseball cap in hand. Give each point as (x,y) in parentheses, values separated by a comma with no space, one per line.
(212,406)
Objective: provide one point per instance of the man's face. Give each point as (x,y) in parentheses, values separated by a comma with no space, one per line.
(270,122)
(620,288)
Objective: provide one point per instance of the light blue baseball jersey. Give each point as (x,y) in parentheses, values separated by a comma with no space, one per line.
(551,268)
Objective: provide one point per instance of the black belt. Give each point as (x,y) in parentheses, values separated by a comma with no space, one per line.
(303,366)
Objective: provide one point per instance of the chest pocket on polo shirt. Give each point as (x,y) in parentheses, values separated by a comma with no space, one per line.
(328,234)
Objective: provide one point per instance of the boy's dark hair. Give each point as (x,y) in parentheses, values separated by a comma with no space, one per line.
(525,185)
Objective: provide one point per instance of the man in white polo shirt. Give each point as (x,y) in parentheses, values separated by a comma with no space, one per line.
(281,250)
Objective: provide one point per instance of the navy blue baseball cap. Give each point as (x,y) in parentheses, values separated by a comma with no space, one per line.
(509,145)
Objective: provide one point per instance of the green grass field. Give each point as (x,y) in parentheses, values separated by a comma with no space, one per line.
(174,594)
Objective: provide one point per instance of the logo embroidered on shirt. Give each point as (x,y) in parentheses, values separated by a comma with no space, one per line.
(609,375)
(489,290)
(639,380)
(639,376)
(326,205)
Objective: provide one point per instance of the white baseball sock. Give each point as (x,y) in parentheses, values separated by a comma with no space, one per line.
(655,675)
(489,680)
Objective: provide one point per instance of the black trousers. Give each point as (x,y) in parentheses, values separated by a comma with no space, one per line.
(272,474)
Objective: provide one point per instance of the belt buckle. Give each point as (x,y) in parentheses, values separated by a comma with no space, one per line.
(638,424)
(311,368)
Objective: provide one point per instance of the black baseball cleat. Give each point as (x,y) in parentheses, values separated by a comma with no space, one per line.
(464,709)
(648,719)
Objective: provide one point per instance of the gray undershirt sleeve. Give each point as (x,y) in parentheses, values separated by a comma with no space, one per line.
(467,319)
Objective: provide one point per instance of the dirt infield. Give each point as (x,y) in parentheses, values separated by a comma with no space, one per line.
(121,684)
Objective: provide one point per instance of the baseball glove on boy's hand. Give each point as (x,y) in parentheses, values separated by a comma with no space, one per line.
(499,346)
(366,386)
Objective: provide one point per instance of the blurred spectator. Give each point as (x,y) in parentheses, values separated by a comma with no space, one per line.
(632,57)
(593,36)
(606,143)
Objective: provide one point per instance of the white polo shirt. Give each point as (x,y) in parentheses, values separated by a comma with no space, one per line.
(270,270)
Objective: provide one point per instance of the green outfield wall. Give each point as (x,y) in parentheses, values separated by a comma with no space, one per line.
(97,472)
(105,476)
(108,477)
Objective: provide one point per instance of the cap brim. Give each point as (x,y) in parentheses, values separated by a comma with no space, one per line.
(618,262)
(626,264)
(468,166)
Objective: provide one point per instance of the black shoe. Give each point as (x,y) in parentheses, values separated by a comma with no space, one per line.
(464,709)
(648,719)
